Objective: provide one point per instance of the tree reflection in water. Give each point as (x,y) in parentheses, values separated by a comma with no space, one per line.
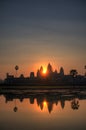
(15,109)
(75,104)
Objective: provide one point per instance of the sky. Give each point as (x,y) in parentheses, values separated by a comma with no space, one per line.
(36,32)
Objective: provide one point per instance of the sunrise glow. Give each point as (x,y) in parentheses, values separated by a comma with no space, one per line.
(44,70)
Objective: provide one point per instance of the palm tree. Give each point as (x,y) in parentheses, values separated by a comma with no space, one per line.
(16,68)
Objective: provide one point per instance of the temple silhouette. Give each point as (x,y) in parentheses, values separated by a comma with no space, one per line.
(51,77)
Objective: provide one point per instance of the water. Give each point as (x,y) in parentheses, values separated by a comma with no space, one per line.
(43,109)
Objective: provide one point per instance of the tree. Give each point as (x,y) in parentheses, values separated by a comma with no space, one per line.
(16,68)
(73,72)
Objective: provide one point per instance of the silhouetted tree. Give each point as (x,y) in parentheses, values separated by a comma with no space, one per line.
(73,72)
(16,68)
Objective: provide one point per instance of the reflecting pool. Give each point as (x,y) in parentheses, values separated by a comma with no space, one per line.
(60,109)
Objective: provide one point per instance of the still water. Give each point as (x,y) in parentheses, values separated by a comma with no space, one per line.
(43,109)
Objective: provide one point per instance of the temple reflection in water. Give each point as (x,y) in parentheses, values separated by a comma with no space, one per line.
(45,98)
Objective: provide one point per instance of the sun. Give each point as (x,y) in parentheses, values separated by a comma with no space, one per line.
(44,70)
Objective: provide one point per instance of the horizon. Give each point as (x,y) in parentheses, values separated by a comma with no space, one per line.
(34,33)
(27,71)
(43,72)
